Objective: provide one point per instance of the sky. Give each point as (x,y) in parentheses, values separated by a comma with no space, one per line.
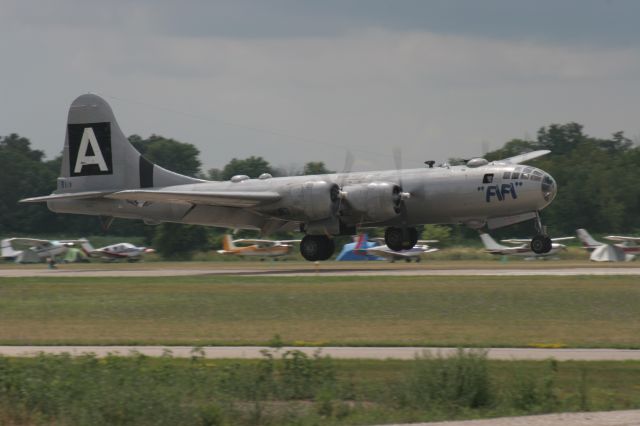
(297,81)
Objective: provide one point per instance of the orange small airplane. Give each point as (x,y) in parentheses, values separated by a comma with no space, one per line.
(260,248)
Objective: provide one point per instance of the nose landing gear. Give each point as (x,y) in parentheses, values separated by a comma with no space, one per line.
(317,247)
(541,243)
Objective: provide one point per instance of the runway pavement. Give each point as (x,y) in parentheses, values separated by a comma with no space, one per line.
(379,353)
(151,271)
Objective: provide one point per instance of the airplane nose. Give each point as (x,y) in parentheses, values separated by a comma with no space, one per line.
(548,188)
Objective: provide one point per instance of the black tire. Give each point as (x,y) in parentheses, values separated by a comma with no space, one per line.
(540,244)
(393,238)
(413,239)
(328,247)
(311,248)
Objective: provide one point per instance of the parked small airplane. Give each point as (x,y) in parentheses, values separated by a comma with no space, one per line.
(102,174)
(258,247)
(382,250)
(625,250)
(522,249)
(120,251)
(34,250)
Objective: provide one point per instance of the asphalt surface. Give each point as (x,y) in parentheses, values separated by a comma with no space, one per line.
(611,418)
(380,353)
(323,271)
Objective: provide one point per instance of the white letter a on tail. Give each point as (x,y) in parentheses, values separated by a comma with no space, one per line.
(89,138)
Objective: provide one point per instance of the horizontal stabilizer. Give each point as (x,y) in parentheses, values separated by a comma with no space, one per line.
(212,198)
(66,196)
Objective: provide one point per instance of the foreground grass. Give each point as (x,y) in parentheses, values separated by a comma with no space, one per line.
(438,311)
(291,388)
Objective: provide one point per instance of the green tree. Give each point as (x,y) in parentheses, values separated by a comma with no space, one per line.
(252,167)
(177,241)
(179,157)
(316,168)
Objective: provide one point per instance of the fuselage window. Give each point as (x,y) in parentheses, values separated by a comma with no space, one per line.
(488,178)
(515,175)
(506,175)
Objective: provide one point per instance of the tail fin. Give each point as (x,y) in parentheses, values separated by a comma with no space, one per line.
(86,246)
(587,240)
(227,243)
(98,157)
(361,240)
(490,243)
(7,249)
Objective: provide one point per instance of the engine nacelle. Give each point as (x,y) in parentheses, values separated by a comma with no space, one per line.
(310,201)
(373,202)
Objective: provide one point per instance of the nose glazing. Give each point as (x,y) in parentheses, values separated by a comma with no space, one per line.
(548,188)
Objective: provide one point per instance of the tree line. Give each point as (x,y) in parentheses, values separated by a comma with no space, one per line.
(598,185)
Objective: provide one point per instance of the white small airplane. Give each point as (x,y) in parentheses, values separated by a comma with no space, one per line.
(119,251)
(257,247)
(421,248)
(522,249)
(625,249)
(34,250)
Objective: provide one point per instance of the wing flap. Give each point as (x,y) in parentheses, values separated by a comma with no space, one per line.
(212,198)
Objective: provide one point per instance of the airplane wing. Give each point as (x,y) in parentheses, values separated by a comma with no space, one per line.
(622,238)
(71,196)
(528,240)
(254,241)
(524,157)
(26,241)
(212,198)
(427,241)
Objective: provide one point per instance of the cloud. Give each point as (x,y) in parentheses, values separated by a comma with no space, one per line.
(308,97)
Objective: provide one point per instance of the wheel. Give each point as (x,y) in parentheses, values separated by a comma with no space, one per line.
(328,247)
(310,248)
(393,238)
(413,239)
(317,247)
(541,244)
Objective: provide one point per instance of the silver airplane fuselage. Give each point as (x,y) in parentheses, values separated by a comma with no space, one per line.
(442,195)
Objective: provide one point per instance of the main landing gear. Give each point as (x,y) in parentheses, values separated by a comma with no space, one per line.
(317,247)
(401,238)
(541,243)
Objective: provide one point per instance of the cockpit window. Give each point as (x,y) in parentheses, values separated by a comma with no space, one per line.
(526,172)
(536,176)
(506,175)
(488,178)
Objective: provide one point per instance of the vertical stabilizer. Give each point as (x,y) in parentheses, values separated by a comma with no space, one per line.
(587,240)
(98,157)
(227,243)
(490,243)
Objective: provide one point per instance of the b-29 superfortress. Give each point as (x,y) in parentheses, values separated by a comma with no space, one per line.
(102,174)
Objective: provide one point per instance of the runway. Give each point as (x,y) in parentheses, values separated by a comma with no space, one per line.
(374,353)
(150,271)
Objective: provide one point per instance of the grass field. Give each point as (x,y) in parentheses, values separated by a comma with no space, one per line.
(216,310)
(291,389)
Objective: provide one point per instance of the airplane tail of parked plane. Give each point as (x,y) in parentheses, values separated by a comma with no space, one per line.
(587,240)
(7,249)
(98,159)
(227,243)
(490,243)
(86,247)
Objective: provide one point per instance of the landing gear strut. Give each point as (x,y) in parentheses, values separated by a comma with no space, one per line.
(541,243)
(400,239)
(317,247)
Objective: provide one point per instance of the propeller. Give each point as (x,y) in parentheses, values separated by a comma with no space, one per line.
(337,193)
(402,195)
